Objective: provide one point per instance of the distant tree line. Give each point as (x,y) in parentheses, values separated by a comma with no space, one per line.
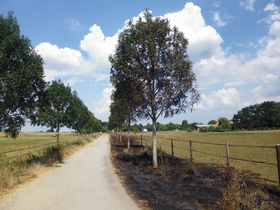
(159,126)
(259,116)
(255,117)
(25,95)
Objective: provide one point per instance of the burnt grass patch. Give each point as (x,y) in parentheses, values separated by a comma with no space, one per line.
(178,184)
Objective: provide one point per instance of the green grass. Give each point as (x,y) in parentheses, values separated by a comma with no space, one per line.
(31,139)
(265,138)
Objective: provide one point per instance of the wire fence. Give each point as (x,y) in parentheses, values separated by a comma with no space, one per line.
(16,153)
(189,149)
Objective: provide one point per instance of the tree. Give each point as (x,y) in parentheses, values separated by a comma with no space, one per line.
(184,125)
(118,114)
(55,114)
(80,118)
(258,116)
(21,77)
(212,122)
(171,126)
(79,114)
(224,123)
(125,99)
(154,55)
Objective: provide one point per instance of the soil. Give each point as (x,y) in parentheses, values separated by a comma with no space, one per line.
(179,184)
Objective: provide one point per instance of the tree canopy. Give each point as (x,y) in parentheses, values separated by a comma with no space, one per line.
(25,95)
(258,116)
(21,77)
(152,56)
(63,108)
(224,123)
(56,109)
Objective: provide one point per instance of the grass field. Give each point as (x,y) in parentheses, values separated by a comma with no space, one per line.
(257,138)
(31,139)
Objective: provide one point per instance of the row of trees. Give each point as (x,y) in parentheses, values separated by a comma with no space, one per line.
(258,116)
(60,107)
(222,124)
(151,74)
(160,127)
(24,94)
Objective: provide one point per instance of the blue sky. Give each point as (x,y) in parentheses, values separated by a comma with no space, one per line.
(234,46)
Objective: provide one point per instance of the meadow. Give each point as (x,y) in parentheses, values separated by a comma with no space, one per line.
(25,140)
(244,138)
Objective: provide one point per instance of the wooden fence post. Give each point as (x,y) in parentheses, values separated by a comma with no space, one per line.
(190,145)
(278,160)
(172,150)
(141,141)
(228,155)
(228,163)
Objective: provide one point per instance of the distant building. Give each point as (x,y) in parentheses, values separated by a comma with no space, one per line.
(207,126)
(144,130)
(202,126)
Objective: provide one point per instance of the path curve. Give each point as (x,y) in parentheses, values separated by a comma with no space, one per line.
(85,181)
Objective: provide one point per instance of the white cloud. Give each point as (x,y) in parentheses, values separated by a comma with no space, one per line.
(267,91)
(248,4)
(74,80)
(275,28)
(212,64)
(218,20)
(273,13)
(59,62)
(67,57)
(222,98)
(268,77)
(204,41)
(98,46)
(102,108)
(270,7)
(235,83)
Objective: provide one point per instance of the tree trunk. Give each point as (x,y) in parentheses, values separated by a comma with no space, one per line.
(155,162)
(128,138)
(120,131)
(57,135)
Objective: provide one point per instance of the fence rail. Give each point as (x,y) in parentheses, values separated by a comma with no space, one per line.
(227,147)
(26,148)
(33,147)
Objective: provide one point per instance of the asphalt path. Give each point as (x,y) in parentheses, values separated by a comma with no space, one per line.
(84,181)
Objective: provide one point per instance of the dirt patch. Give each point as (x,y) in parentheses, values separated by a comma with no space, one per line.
(178,184)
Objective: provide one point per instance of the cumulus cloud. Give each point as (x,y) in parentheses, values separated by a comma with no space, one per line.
(98,46)
(267,91)
(248,4)
(102,107)
(234,70)
(218,20)
(204,41)
(211,63)
(222,98)
(59,62)
(270,7)
(67,57)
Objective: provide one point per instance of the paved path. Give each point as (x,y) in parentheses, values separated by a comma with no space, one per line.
(85,181)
